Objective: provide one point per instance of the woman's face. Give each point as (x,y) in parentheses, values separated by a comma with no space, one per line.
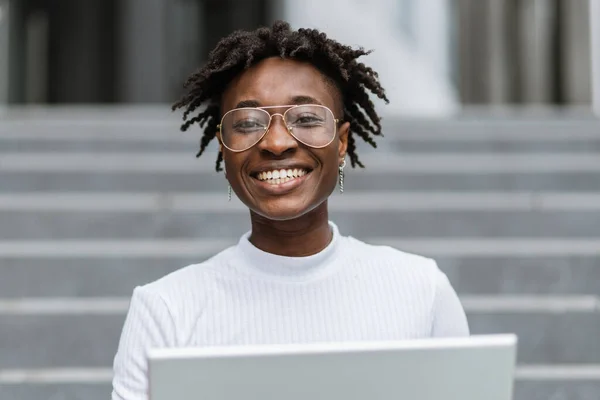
(274,82)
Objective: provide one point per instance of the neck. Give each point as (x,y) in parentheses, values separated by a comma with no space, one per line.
(299,237)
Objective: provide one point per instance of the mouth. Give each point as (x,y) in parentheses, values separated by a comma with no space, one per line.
(280,181)
(279,176)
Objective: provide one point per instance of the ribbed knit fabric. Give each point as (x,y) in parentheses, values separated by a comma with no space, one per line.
(349,291)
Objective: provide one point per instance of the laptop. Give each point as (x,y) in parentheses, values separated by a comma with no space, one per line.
(470,368)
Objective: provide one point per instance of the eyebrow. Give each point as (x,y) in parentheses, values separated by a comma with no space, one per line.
(294,100)
(247,103)
(305,100)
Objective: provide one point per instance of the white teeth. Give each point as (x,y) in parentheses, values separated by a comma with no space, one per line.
(280,176)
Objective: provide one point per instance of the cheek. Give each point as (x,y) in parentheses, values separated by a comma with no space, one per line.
(231,165)
(330,168)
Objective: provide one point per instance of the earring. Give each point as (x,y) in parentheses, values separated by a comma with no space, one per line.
(341,168)
(228,184)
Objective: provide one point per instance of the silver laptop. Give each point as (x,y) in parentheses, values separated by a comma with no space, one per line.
(472,368)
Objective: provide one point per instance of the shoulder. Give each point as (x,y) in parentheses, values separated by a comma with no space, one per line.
(187,283)
(391,257)
(411,271)
(417,276)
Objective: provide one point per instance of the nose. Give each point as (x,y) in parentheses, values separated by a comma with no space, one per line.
(277,140)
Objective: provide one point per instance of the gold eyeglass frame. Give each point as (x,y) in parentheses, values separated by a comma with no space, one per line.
(289,129)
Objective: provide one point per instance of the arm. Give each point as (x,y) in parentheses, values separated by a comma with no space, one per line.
(449,319)
(148,324)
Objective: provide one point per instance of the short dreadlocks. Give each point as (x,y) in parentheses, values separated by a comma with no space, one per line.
(241,49)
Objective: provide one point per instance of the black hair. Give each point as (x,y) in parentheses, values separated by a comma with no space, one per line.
(242,49)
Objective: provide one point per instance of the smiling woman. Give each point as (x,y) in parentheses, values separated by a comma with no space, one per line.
(285,107)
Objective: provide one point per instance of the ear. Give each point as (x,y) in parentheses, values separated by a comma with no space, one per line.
(344,131)
(218,135)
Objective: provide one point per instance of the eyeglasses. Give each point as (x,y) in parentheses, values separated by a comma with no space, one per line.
(311,124)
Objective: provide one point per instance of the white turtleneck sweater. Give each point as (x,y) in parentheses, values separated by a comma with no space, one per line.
(349,291)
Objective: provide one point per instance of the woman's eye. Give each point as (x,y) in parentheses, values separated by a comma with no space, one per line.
(308,120)
(248,124)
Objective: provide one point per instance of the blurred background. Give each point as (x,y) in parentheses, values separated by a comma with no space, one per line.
(433,55)
(490,164)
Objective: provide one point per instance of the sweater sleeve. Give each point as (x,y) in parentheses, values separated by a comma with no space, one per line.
(148,324)
(449,318)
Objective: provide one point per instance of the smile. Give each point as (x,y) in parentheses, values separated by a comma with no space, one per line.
(276,177)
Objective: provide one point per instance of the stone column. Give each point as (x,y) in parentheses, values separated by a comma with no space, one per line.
(595,50)
(538,24)
(142,51)
(4,53)
(575,57)
(142,69)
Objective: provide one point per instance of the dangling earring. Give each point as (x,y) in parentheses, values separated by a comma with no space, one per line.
(228,184)
(341,168)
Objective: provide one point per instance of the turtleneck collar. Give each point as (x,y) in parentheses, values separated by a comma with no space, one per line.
(257,261)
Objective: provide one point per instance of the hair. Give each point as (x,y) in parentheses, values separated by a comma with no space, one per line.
(242,49)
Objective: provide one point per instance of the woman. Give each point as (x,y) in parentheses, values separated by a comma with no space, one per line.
(285,107)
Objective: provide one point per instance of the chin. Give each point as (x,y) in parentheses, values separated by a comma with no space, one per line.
(283,210)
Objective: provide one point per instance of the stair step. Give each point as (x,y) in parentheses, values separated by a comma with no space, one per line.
(555,389)
(59,391)
(366,201)
(208,180)
(387,163)
(117,276)
(464,247)
(72,340)
(166,224)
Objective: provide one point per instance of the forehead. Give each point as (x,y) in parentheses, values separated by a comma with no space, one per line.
(277,81)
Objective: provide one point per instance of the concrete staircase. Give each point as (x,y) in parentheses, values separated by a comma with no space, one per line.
(95,202)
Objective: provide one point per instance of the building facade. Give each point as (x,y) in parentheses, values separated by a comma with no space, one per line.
(452,52)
